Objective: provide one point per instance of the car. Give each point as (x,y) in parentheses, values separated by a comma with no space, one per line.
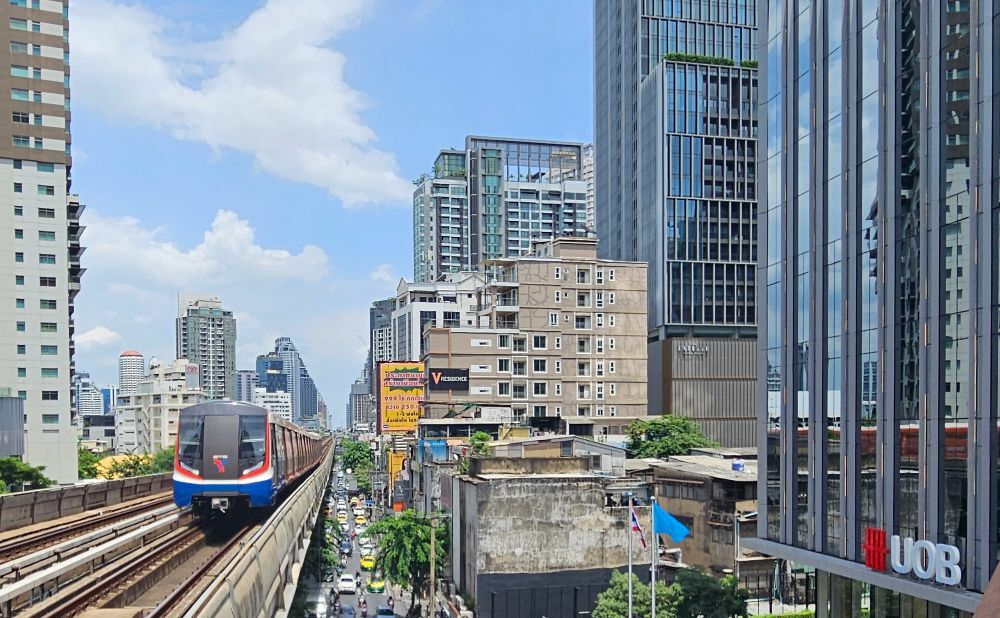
(359,511)
(344,527)
(384,611)
(346,548)
(329,574)
(342,517)
(376,585)
(366,550)
(347,585)
(367,563)
(361,521)
(347,611)
(360,529)
(340,474)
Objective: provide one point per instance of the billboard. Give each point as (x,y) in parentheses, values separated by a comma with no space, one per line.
(400,396)
(396,464)
(448,380)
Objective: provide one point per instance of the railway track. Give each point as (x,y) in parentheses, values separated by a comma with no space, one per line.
(19,543)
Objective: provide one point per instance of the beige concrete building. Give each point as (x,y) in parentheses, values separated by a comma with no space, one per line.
(561,343)
(147,421)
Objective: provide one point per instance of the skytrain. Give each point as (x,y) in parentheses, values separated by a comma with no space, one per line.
(234,456)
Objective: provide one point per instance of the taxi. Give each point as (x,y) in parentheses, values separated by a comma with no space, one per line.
(367,563)
(342,517)
(360,521)
(376,585)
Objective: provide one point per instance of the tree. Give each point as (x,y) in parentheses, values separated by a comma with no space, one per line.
(356,455)
(16,474)
(663,437)
(163,461)
(86,463)
(125,466)
(404,549)
(708,597)
(613,602)
(479,444)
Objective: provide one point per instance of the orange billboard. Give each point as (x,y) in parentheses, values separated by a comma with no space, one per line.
(400,396)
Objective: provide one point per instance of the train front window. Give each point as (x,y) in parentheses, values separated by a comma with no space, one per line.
(189,437)
(252,442)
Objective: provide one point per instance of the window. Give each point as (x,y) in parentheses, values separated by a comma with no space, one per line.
(583,391)
(558,389)
(36,26)
(47,213)
(538,342)
(20,327)
(611,343)
(22,395)
(50,350)
(50,419)
(583,276)
(558,296)
(47,282)
(540,389)
(520,368)
(18,234)
(46,235)
(596,459)
(583,345)
(558,343)
(611,277)
(47,304)
(18,279)
(22,349)
(50,372)
(18,71)
(539,411)
(582,322)
(18,24)
(36,96)
(599,299)
(18,164)
(22,372)
(553,318)
(19,95)
(19,303)
(46,189)
(503,389)
(583,410)
(612,389)
(583,368)
(520,391)
(18,47)
(599,371)
(50,395)
(599,320)
(520,344)
(18,256)
(600,345)
(37,121)
(19,188)
(613,411)
(20,141)
(46,258)
(611,366)
(539,365)
(45,167)
(558,272)
(49,327)
(20,117)
(19,211)
(503,365)
(599,276)
(611,298)
(599,390)
(40,144)
(558,366)
(611,319)
(36,73)
(503,341)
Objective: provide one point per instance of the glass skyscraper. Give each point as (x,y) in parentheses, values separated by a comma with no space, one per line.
(878,342)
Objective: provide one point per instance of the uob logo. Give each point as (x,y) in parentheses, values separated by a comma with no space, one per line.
(924,559)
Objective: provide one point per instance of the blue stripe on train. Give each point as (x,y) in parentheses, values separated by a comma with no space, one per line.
(260,493)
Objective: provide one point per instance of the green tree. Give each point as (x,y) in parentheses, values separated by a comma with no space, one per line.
(705,596)
(86,462)
(663,437)
(163,461)
(613,602)
(133,464)
(16,474)
(356,455)
(364,481)
(479,444)
(404,549)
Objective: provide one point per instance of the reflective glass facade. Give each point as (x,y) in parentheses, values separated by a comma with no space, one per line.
(879,231)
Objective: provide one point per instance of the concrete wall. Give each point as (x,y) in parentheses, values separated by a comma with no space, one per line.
(535,465)
(32,507)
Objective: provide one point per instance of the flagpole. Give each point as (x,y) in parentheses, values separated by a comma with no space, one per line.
(629,528)
(656,553)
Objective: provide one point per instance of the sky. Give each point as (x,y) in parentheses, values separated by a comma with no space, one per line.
(263,152)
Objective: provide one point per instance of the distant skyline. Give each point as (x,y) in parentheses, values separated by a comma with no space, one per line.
(263,151)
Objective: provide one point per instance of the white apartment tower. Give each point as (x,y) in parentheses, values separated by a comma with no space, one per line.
(131,369)
(206,336)
(40,247)
(278,403)
(146,421)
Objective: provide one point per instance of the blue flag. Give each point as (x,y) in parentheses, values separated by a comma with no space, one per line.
(665,523)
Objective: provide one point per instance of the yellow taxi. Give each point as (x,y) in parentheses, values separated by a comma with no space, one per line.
(368,563)
(360,521)
(376,585)
(342,517)
(354,501)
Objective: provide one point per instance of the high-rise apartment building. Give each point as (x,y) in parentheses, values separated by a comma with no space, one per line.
(41,246)
(308,397)
(447,303)
(109,395)
(362,408)
(131,370)
(206,336)
(380,335)
(878,365)
(271,374)
(278,403)
(492,199)
(588,177)
(87,396)
(675,135)
(246,384)
(146,421)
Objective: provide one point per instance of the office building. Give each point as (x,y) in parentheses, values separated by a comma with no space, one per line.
(380,335)
(86,395)
(308,396)
(278,403)
(109,395)
(42,233)
(146,421)
(448,303)
(246,384)
(97,432)
(675,135)
(878,346)
(131,369)
(206,336)
(560,343)
(323,412)
(362,408)
(270,373)
(588,177)
(492,199)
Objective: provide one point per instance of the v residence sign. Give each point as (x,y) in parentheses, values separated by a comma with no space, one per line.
(456,380)
(925,560)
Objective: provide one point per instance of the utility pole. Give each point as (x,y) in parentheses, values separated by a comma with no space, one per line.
(431,605)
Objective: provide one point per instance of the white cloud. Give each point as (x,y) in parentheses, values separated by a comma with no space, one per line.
(97,337)
(271,88)
(383,273)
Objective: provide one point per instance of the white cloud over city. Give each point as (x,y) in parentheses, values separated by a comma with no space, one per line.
(272,88)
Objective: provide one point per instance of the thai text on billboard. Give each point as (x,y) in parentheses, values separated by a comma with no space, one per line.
(400,397)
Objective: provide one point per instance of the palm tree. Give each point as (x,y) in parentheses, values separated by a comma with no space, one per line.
(404,549)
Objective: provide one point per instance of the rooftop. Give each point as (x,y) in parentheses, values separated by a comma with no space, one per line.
(708,466)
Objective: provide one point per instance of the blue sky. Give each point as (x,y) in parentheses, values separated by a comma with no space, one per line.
(262,152)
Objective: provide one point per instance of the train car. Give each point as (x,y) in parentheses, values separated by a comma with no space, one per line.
(233,455)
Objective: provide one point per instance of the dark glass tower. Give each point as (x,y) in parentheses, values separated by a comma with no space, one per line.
(877,284)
